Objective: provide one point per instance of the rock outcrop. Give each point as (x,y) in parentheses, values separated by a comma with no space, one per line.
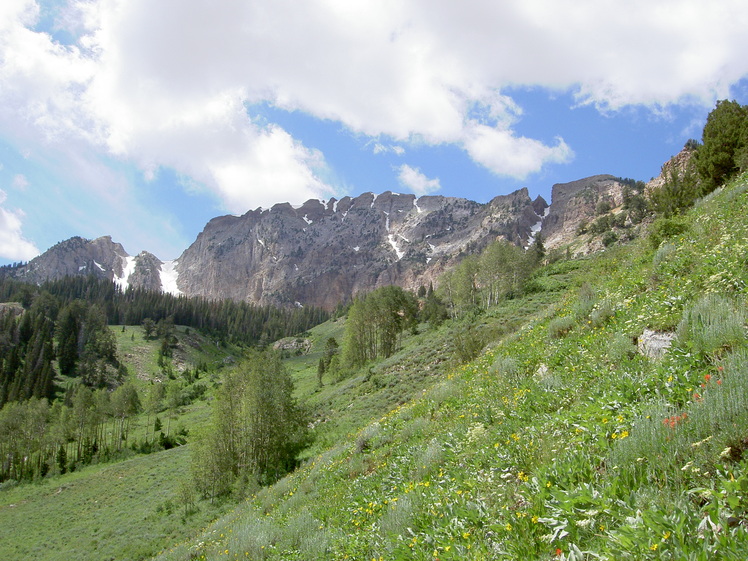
(574,204)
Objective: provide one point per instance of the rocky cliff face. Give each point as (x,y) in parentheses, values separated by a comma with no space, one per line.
(324,252)
(575,203)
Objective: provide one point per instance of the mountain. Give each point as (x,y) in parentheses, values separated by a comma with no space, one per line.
(323,253)
(102,258)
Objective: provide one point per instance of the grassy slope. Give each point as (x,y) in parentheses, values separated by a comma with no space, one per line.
(552,444)
(126,510)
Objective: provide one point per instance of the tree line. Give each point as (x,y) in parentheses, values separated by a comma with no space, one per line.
(234,322)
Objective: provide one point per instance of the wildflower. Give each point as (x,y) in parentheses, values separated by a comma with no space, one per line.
(508,527)
(559,552)
(707,377)
(666,535)
(654,547)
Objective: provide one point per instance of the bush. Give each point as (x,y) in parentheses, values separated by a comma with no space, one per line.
(609,238)
(506,367)
(712,325)
(585,302)
(664,228)
(560,326)
(602,313)
(621,348)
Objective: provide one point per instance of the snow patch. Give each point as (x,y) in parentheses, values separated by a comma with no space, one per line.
(535,229)
(307,220)
(169,277)
(403,238)
(128,268)
(262,243)
(99,266)
(82,268)
(419,210)
(357,248)
(393,243)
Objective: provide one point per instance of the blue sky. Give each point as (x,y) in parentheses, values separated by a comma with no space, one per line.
(143,120)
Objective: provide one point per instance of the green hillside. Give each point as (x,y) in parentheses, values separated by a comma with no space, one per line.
(560,441)
(135,505)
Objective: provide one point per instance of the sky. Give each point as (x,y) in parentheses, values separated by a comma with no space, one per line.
(144,119)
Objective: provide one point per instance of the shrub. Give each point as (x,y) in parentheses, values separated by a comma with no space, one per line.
(609,238)
(585,302)
(603,207)
(468,344)
(560,326)
(602,312)
(366,438)
(664,228)
(712,325)
(663,254)
(621,348)
(507,367)
(429,460)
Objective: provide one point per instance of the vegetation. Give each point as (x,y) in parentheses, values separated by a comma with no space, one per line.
(554,442)
(256,430)
(528,425)
(375,322)
(232,322)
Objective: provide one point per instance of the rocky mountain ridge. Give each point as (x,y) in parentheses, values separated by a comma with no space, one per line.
(101,258)
(323,253)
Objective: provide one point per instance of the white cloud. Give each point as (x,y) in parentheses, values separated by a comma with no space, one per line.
(168,84)
(504,154)
(13,245)
(379,148)
(417,182)
(20,182)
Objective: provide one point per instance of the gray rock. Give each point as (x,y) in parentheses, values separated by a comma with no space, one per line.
(654,344)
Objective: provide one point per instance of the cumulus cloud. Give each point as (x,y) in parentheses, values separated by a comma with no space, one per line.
(181,83)
(415,181)
(12,243)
